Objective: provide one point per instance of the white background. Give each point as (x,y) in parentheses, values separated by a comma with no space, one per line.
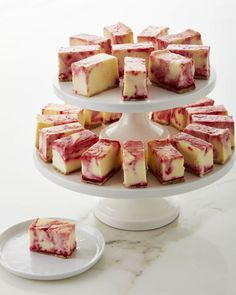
(30,34)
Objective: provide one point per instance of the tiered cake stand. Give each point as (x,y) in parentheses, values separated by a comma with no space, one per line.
(120,207)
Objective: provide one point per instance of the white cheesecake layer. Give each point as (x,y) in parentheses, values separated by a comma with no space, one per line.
(64,167)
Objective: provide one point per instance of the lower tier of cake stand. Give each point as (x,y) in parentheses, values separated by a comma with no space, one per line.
(134,126)
(137,215)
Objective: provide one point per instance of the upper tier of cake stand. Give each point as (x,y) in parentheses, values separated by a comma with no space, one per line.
(111,100)
(114,188)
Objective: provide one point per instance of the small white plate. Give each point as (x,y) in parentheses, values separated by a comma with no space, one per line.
(16,257)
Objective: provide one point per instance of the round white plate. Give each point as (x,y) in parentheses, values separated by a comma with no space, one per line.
(111,100)
(114,188)
(16,257)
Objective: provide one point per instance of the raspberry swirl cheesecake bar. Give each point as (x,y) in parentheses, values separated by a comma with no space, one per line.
(162,117)
(198,154)
(89,39)
(69,55)
(206,110)
(101,161)
(219,138)
(187,37)
(151,33)
(118,33)
(44,121)
(140,50)
(217,121)
(67,151)
(111,117)
(52,236)
(49,135)
(95,74)
(92,119)
(200,55)
(63,109)
(171,71)
(165,162)
(134,166)
(178,116)
(135,79)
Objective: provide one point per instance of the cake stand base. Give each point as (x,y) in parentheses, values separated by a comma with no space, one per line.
(134,126)
(137,215)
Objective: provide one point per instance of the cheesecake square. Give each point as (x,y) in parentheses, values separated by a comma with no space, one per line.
(135,79)
(219,138)
(67,151)
(69,55)
(187,37)
(101,161)
(89,39)
(178,116)
(151,33)
(206,110)
(198,154)
(200,55)
(165,162)
(48,135)
(140,50)
(92,119)
(44,121)
(134,164)
(118,33)
(217,121)
(110,117)
(95,74)
(63,109)
(171,71)
(162,117)
(52,236)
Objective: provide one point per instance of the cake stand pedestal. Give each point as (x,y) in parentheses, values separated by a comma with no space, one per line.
(120,207)
(142,214)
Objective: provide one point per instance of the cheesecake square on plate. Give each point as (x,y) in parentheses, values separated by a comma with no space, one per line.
(67,151)
(44,121)
(151,33)
(63,109)
(69,55)
(101,161)
(198,154)
(200,55)
(50,134)
(140,50)
(134,164)
(118,33)
(219,138)
(217,121)
(187,37)
(92,119)
(95,74)
(162,117)
(165,162)
(111,117)
(89,39)
(52,236)
(178,116)
(135,79)
(207,110)
(171,71)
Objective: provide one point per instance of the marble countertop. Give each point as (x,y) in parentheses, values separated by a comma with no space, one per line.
(193,255)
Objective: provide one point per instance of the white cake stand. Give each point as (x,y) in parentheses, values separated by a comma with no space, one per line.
(134,209)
